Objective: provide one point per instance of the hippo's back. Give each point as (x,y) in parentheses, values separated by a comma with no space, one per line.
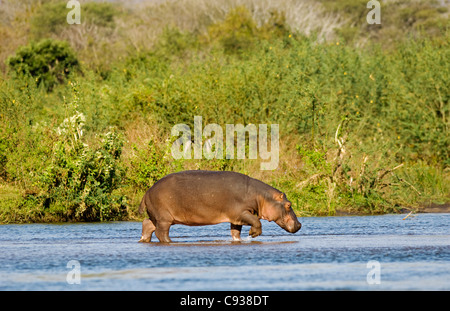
(197,182)
(199,189)
(198,197)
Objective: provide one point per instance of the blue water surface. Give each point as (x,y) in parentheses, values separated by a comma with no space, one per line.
(328,253)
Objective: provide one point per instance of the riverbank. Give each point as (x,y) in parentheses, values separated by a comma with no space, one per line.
(15,209)
(423,209)
(435,208)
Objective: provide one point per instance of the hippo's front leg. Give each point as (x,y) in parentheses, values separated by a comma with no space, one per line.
(252,220)
(255,231)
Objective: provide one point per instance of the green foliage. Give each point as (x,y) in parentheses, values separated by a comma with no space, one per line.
(315,160)
(399,20)
(173,42)
(3,158)
(238,32)
(361,129)
(150,164)
(51,17)
(99,13)
(79,183)
(64,176)
(80,180)
(48,61)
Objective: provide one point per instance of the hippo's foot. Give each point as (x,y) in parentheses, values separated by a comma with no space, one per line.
(145,239)
(147,230)
(255,231)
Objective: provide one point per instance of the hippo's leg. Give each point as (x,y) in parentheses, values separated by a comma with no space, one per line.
(255,231)
(236,232)
(147,231)
(162,231)
(253,221)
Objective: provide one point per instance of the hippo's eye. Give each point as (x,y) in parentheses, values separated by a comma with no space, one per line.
(288,205)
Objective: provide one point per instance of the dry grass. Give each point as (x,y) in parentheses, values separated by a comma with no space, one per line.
(14,27)
(140,24)
(150,17)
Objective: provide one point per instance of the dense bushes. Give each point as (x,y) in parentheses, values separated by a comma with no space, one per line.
(361,129)
(48,61)
(50,18)
(64,174)
(79,183)
(399,20)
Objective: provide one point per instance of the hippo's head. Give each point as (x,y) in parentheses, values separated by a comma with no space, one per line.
(276,207)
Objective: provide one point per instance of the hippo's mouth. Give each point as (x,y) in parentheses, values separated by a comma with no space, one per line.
(290,226)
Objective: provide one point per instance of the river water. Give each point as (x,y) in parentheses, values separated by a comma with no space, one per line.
(328,253)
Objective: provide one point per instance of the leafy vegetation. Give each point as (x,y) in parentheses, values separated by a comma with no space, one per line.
(85,121)
(48,61)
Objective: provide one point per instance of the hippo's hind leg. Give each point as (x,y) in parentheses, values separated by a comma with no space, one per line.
(162,231)
(147,230)
(236,232)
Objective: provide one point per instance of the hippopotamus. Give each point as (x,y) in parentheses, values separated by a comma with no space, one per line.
(198,198)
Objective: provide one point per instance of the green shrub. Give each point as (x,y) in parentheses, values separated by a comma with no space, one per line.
(172,42)
(238,32)
(3,157)
(150,164)
(48,61)
(391,107)
(51,17)
(400,20)
(80,181)
(99,13)
(346,178)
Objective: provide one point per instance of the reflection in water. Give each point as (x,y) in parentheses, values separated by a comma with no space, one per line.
(217,243)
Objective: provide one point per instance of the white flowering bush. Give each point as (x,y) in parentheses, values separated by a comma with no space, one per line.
(81,179)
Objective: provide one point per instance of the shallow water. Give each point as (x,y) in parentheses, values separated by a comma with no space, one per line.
(327,253)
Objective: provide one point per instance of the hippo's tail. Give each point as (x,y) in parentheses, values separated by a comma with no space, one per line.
(142,206)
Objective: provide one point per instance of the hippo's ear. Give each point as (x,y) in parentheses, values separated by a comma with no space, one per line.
(278,196)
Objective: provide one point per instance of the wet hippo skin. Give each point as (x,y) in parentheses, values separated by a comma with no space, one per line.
(198,198)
